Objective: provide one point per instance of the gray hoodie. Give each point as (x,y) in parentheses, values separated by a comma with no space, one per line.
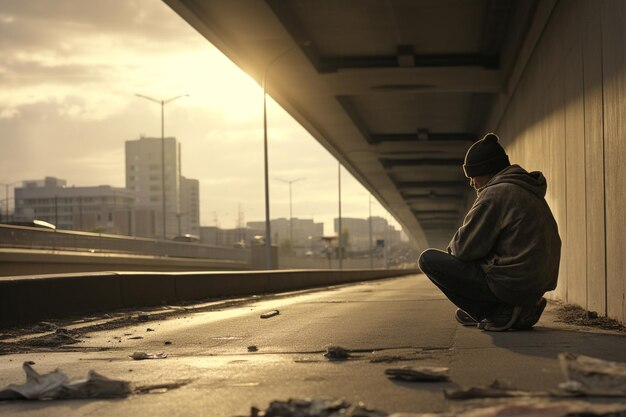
(511,232)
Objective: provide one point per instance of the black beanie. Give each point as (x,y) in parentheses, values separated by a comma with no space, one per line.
(485,156)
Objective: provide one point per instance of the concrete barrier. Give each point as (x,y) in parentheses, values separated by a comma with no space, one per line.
(28,299)
(14,261)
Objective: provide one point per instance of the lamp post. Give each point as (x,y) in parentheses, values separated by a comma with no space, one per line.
(290,206)
(370,230)
(268,231)
(163,103)
(339,232)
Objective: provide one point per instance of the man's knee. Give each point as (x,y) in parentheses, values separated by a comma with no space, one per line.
(427,258)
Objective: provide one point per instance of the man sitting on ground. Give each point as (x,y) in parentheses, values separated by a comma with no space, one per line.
(506,254)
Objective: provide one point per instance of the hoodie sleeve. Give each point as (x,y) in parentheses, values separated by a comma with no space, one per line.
(475,239)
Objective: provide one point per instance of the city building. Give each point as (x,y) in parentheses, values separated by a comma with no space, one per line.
(103,209)
(237,237)
(307,235)
(144,176)
(188,218)
(357,232)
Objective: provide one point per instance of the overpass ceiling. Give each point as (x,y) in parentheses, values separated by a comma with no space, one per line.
(396,90)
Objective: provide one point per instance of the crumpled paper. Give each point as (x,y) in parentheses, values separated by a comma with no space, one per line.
(57,386)
(315,408)
(592,376)
(139,356)
(419,374)
(534,408)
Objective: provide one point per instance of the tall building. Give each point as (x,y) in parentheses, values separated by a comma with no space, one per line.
(102,209)
(189,214)
(144,176)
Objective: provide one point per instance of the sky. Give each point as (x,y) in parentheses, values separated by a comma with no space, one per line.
(69,72)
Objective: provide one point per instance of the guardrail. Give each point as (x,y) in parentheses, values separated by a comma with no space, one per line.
(24,237)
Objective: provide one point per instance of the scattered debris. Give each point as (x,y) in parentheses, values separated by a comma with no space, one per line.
(497,390)
(57,386)
(269,314)
(575,315)
(142,316)
(337,353)
(323,408)
(252,348)
(315,408)
(135,338)
(420,374)
(138,356)
(546,409)
(244,384)
(44,326)
(61,336)
(593,377)
(378,357)
(160,388)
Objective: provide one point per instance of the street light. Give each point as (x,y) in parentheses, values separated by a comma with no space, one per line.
(163,103)
(340,235)
(290,212)
(268,231)
(370,229)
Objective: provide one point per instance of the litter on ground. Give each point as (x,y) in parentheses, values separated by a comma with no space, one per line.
(593,377)
(337,353)
(315,408)
(419,374)
(269,314)
(57,386)
(517,408)
(138,356)
(495,390)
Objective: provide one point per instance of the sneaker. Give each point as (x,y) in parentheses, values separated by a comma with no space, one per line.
(501,320)
(530,315)
(465,319)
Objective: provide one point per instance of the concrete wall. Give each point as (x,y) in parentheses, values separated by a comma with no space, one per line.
(32,298)
(565,114)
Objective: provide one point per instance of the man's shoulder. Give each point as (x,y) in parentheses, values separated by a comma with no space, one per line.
(499,189)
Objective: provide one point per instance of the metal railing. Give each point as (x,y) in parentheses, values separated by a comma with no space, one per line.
(23,237)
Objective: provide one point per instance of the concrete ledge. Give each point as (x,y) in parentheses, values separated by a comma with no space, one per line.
(14,262)
(27,299)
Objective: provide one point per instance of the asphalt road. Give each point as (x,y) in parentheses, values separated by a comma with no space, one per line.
(207,348)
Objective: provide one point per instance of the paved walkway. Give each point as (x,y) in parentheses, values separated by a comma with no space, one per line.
(207,347)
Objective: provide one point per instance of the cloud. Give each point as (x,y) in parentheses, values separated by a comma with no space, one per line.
(69,70)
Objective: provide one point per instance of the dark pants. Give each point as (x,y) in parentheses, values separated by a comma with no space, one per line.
(464,283)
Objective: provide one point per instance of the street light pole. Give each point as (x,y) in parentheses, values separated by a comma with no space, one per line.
(370,229)
(290,207)
(339,232)
(268,231)
(163,103)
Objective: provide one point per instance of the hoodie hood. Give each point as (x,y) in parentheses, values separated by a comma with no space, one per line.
(534,181)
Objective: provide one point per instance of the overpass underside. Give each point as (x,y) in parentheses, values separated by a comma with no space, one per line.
(398,90)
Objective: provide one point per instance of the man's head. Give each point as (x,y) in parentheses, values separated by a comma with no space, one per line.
(484,159)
